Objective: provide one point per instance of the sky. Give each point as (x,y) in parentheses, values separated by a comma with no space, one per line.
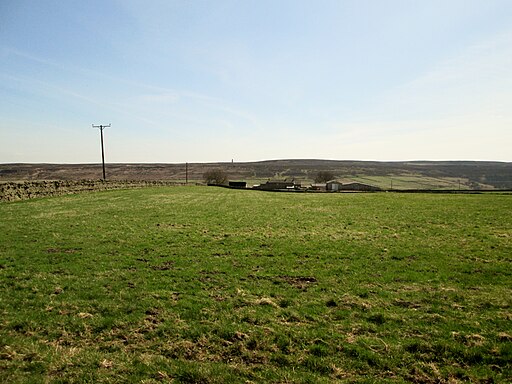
(250,80)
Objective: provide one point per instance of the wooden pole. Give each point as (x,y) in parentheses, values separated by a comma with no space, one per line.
(101,127)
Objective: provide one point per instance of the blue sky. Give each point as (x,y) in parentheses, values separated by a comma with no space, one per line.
(252,80)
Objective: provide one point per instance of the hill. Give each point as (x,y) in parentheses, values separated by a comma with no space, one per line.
(414,174)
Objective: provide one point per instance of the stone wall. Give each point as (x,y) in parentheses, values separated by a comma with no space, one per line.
(12,191)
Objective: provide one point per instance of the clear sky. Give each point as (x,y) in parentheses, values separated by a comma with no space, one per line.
(253,80)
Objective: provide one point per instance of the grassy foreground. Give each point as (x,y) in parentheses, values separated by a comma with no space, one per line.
(207,285)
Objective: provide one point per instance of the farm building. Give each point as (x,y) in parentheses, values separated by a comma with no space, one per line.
(319,186)
(333,186)
(358,187)
(276,185)
(238,184)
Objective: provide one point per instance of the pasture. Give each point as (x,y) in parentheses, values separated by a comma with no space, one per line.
(211,285)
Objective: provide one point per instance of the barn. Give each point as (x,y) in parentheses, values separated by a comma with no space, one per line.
(358,187)
(238,184)
(333,186)
(276,185)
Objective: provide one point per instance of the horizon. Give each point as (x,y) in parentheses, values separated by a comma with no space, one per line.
(262,161)
(201,82)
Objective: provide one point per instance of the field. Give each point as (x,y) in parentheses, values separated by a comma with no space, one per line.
(210,285)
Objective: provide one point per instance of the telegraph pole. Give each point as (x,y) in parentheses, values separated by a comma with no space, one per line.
(101,127)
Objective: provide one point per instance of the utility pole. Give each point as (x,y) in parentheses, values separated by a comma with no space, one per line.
(186,173)
(101,127)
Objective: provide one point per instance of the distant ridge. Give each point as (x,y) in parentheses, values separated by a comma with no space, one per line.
(474,174)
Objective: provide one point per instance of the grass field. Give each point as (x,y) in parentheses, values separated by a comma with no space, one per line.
(210,285)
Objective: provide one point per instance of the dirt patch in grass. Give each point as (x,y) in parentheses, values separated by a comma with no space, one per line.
(63,250)
(165,266)
(299,282)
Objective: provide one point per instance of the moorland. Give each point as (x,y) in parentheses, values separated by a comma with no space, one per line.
(402,175)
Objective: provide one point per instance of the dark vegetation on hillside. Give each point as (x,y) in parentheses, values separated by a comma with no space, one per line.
(476,173)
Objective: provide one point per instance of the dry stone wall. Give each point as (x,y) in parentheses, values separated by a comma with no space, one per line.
(12,191)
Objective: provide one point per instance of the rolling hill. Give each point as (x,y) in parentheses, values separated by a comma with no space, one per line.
(405,175)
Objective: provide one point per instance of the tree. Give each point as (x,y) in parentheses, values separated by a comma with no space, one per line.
(324,176)
(215,176)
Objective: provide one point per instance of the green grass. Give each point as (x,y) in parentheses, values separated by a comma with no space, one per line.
(209,285)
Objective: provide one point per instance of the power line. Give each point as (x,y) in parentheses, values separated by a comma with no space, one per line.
(101,127)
